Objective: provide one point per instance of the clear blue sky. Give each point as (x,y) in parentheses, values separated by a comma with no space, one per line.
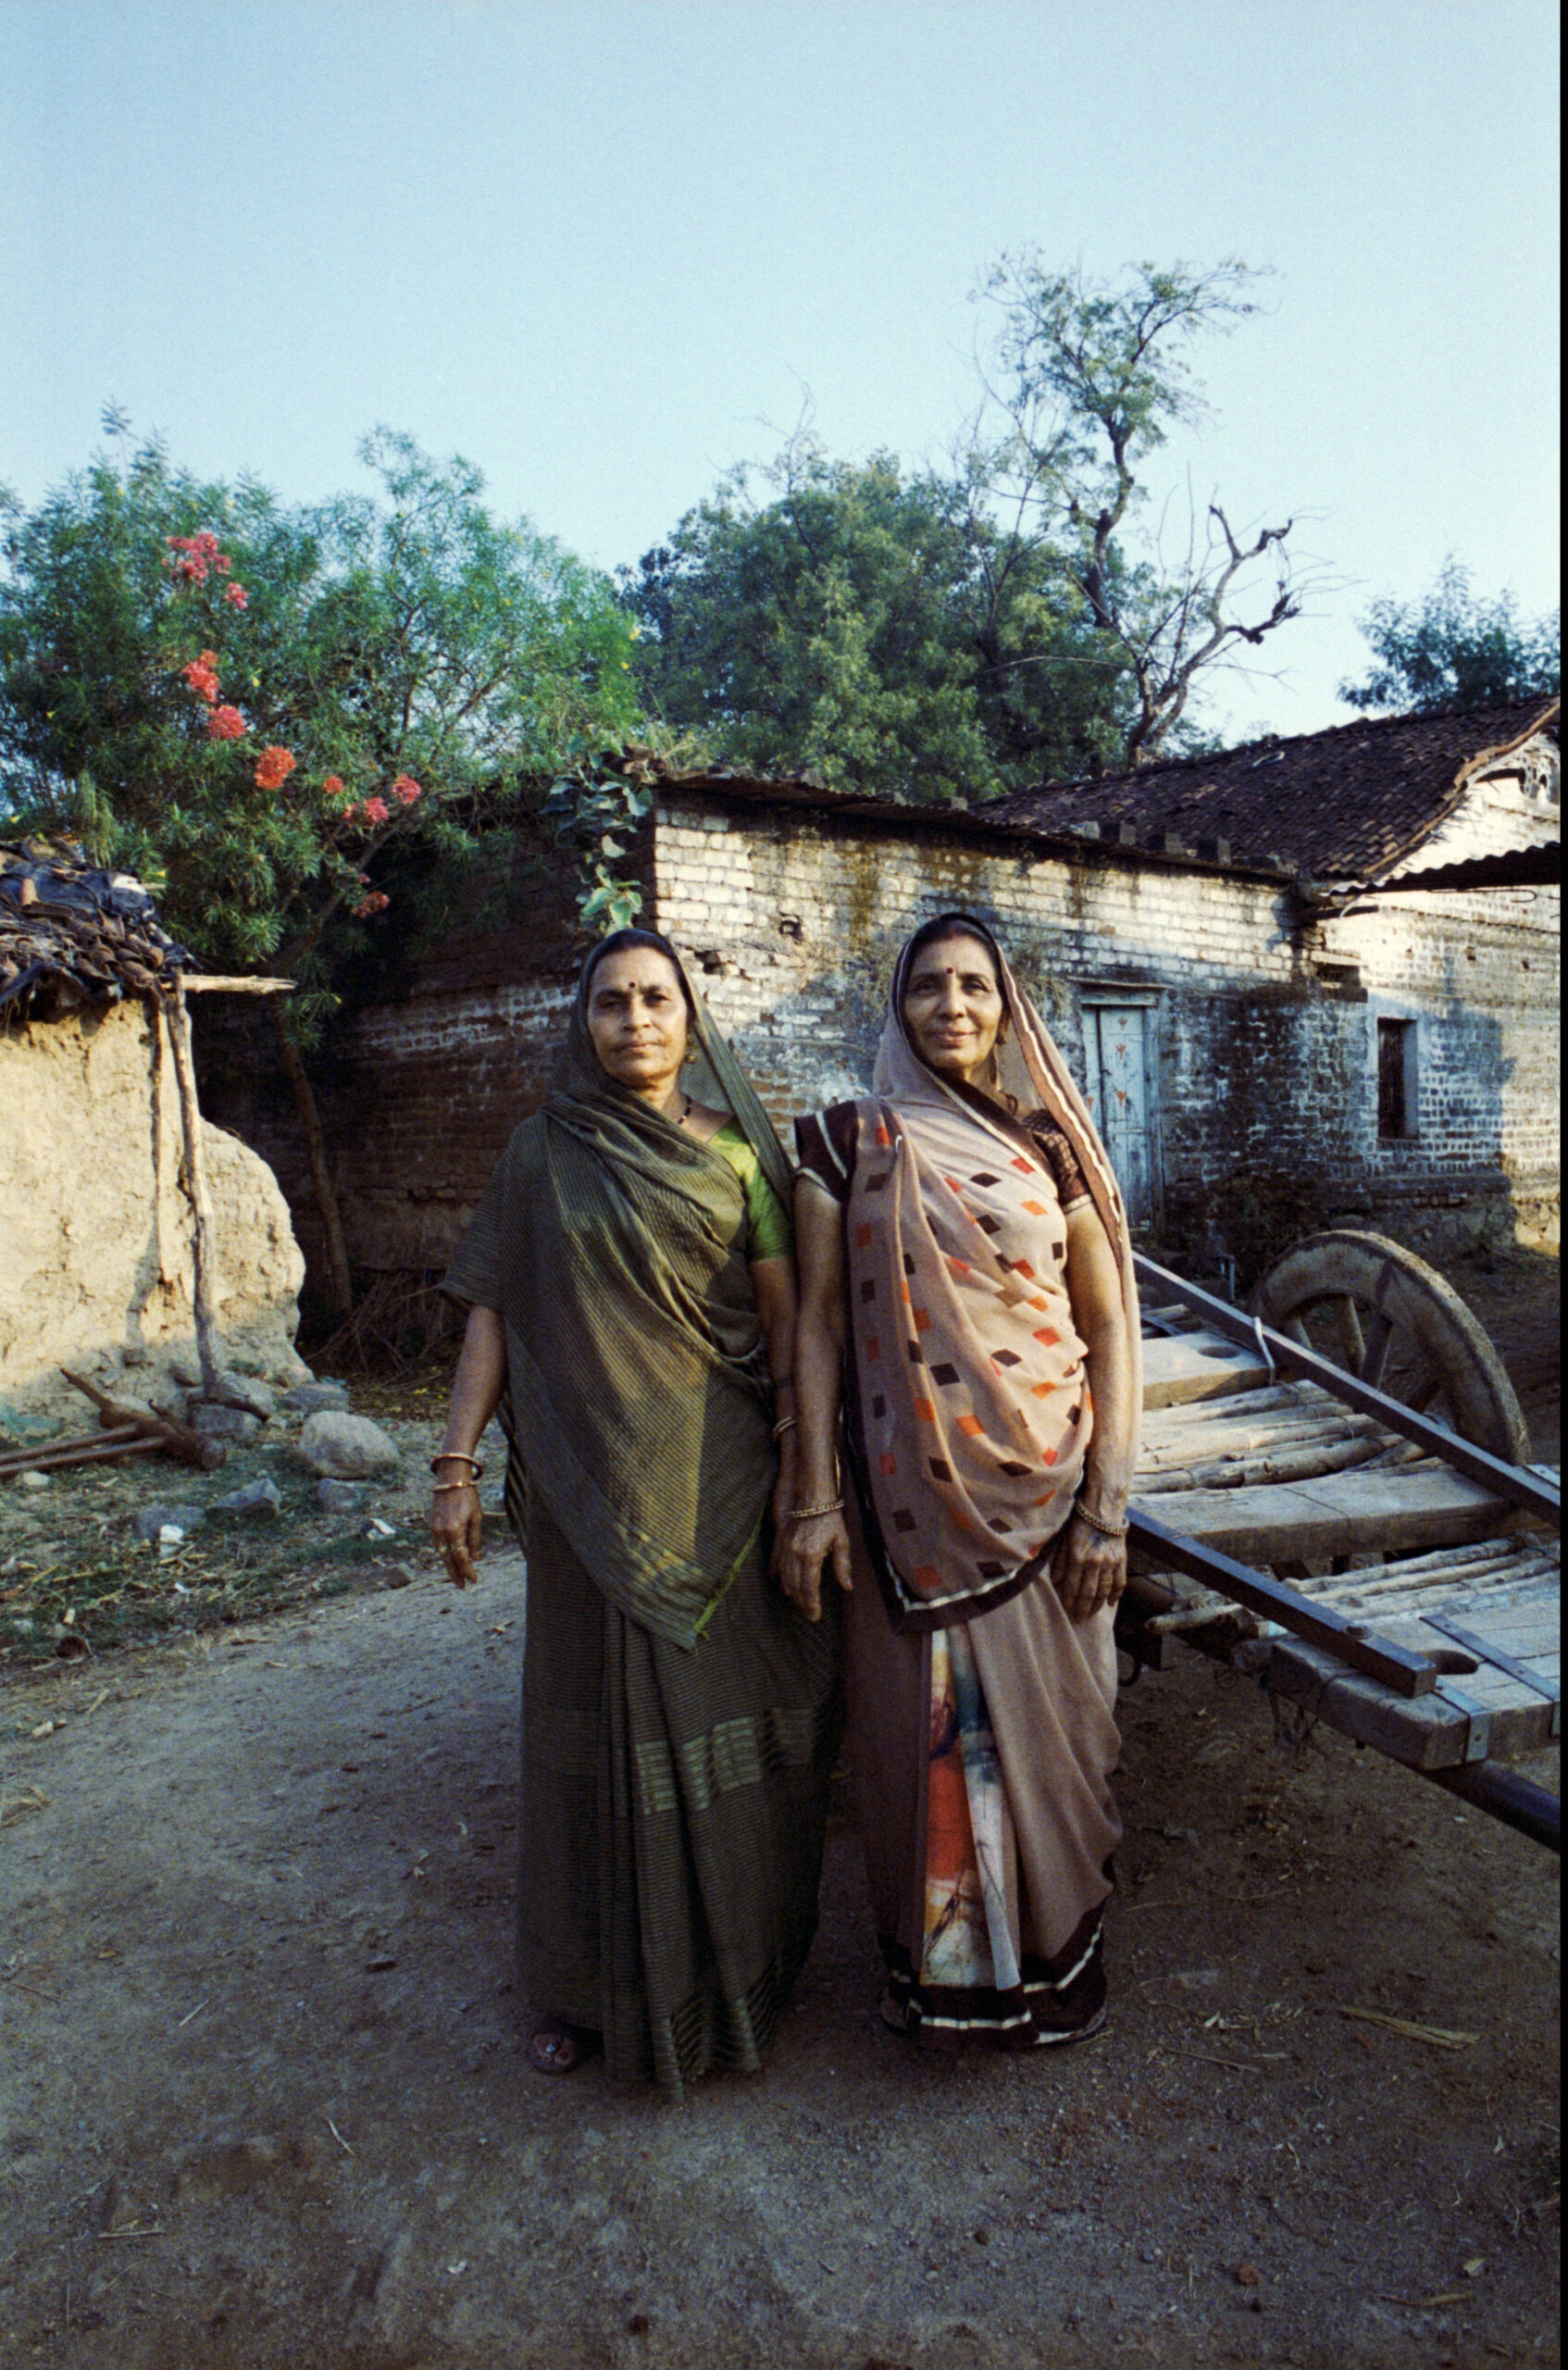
(605,248)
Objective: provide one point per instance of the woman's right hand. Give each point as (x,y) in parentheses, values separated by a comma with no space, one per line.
(807,1547)
(457,1532)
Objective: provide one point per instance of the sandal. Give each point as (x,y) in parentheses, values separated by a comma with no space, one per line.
(893,2011)
(556,2047)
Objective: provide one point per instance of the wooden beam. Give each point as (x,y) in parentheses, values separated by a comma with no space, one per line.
(199,984)
(1407,1674)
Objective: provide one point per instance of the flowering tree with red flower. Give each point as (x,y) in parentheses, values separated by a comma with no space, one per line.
(299,726)
(250,704)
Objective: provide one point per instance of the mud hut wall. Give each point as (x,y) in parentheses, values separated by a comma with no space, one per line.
(1264,1028)
(96,1224)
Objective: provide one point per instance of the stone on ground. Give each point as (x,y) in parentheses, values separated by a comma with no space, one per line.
(261,1498)
(222,1423)
(315,1398)
(340,1497)
(347,1448)
(150,1522)
(245,1391)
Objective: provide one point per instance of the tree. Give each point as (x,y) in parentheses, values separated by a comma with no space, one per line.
(966,631)
(265,712)
(863,626)
(249,705)
(1086,382)
(1451,649)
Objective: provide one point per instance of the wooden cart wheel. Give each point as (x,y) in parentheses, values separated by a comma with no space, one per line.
(1381,1313)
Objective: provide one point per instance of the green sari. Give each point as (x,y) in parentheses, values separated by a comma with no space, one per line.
(679,1716)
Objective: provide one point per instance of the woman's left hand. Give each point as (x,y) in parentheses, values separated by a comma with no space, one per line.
(1090,1571)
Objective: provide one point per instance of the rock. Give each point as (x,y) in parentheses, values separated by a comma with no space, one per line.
(33,1480)
(187,1372)
(340,1497)
(349,1448)
(253,1398)
(316,1398)
(261,1499)
(135,1353)
(222,1423)
(151,1522)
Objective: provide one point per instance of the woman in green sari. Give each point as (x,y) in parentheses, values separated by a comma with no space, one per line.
(630,1288)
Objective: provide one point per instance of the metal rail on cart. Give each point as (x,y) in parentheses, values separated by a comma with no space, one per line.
(1438,1657)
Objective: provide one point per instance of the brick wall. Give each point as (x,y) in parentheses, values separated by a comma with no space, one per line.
(1262,1021)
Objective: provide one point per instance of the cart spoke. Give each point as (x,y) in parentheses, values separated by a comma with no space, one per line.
(1352,1346)
(1379,1335)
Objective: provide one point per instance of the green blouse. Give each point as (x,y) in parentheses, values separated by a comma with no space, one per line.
(772,1237)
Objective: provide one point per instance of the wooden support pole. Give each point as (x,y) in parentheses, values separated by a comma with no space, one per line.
(204,1243)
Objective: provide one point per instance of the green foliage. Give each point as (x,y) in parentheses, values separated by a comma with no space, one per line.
(391,669)
(963,633)
(597,814)
(866,628)
(1451,649)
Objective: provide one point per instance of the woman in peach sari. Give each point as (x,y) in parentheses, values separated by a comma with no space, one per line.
(967,1281)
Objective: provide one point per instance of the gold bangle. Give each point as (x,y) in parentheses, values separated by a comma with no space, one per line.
(809,1513)
(457,1456)
(438,1488)
(785,1424)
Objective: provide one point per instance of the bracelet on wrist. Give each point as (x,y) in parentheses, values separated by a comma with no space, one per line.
(1097,1522)
(456,1456)
(785,1424)
(438,1489)
(809,1513)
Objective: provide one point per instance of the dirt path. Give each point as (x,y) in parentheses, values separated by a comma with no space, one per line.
(264,2101)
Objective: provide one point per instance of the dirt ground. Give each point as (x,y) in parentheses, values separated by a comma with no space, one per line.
(264,2101)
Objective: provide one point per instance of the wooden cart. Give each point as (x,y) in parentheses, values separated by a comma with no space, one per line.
(1334,1494)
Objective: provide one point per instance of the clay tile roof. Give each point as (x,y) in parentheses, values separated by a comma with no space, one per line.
(71,932)
(1345,804)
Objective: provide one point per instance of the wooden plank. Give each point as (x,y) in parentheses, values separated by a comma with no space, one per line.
(206,983)
(1518,1485)
(1196,1366)
(1423,1733)
(1316,1520)
(1520,1717)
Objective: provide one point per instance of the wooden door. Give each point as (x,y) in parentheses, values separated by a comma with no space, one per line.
(1116,1049)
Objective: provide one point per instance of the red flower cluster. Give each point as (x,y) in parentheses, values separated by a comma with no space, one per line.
(406,790)
(374,810)
(273,768)
(376,903)
(196,557)
(236,596)
(333,786)
(202,676)
(227,724)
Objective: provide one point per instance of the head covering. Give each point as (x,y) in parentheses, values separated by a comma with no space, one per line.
(1030,1073)
(613,1243)
(580,1076)
(971,1412)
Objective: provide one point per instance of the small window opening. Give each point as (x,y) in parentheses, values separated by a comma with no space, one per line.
(1395,1079)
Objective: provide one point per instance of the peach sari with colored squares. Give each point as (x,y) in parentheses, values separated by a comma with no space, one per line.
(982,1728)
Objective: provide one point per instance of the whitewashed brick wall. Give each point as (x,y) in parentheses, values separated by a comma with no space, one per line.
(1264,1018)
